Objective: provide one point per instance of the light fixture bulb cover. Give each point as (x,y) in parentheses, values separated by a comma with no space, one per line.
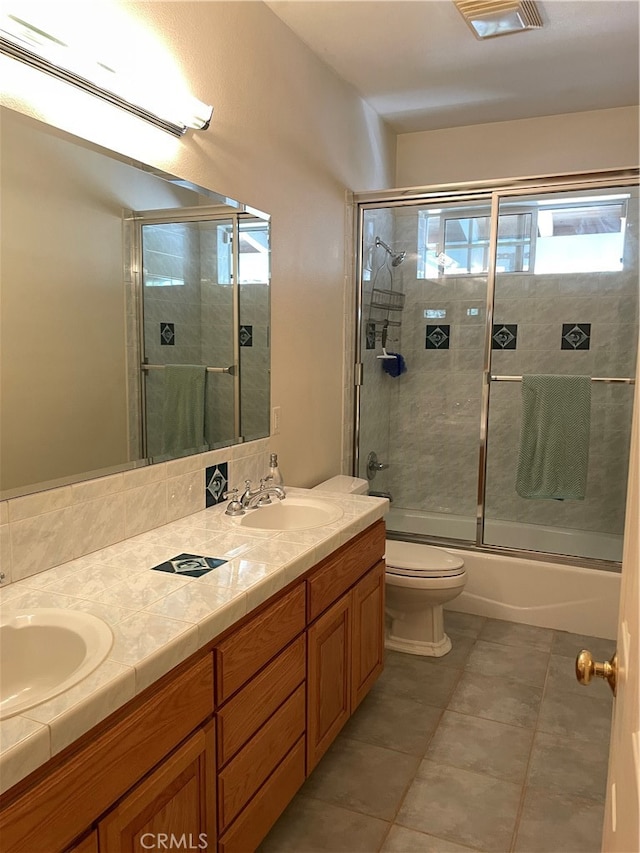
(491,18)
(27,43)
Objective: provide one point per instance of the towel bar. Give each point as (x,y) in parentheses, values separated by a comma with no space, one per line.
(621,380)
(231,369)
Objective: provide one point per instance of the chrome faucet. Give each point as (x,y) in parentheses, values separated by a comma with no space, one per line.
(252,498)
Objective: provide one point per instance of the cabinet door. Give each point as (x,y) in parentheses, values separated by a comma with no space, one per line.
(328,678)
(177,799)
(87,845)
(367,637)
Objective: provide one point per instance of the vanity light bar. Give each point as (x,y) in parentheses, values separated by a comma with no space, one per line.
(14,45)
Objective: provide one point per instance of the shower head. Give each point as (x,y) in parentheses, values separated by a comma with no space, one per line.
(396,257)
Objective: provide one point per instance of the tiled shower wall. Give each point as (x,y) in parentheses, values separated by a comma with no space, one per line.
(216,335)
(432,412)
(46,529)
(192,323)
(376,390)
(255,360)
(199,315)
(172,325)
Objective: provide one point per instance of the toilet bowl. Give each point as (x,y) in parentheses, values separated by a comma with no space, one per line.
(419,580)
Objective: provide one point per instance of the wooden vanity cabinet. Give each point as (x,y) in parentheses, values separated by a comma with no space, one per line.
(89,844)
(219,746)
(345,645)
(177,800)
(329,678)
(260,683)
(367,633)
(66,799)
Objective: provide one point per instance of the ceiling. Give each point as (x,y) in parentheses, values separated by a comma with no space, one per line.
(420,67)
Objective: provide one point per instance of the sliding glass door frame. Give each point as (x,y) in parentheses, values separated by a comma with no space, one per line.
(490,194)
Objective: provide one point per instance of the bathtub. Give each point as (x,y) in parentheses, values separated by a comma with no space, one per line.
(533,592)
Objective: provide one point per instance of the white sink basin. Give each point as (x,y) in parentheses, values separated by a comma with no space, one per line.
(44,652)
(293,513)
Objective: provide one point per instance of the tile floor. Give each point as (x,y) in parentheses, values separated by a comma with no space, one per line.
(493,747)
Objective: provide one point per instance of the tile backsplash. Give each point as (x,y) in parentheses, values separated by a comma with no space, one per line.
(46,529)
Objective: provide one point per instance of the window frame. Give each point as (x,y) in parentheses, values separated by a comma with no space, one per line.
(469,213)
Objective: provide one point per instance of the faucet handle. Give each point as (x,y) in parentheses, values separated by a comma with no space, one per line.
(265,499)
(234,506)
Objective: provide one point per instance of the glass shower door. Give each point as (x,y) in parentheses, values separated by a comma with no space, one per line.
(424,290)
(566,303)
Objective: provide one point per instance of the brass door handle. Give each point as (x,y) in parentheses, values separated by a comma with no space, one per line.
(586,668)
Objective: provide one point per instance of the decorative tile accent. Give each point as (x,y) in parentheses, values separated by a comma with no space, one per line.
(246,336)
(216,483)
(504,337)
(167,334)
(189,565)
(437,337)
(370,336)
(576,336)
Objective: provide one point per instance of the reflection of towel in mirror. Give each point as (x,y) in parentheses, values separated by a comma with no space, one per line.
(183,424)
(554,437)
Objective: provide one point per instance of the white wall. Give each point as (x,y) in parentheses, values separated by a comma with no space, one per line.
(287,137)
(575,142)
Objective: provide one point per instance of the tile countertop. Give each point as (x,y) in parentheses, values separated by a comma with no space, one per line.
(160,619)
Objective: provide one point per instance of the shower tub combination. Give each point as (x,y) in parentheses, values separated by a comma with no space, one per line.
(479,287)
(533,592)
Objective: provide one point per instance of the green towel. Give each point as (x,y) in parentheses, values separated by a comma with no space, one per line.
(554,437)
(183,425)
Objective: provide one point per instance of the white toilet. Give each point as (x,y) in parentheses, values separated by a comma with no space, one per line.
(420,579)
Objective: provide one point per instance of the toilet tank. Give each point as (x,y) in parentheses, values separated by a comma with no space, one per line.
(345,485)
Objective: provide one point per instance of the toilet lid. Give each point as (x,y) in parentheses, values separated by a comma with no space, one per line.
(409,559)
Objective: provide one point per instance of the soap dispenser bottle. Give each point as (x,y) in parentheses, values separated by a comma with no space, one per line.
(275,475)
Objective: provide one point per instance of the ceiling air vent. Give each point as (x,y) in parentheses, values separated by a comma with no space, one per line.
(490,18)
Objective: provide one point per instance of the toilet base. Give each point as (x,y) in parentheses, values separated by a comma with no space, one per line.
(418,647)
(417,632)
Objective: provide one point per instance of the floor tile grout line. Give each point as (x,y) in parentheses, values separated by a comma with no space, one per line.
(421,753)
(421,757)
(525,785)
(490,719)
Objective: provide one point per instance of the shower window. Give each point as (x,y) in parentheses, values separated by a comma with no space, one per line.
(253,253)
(454,244)
(583,237)
(577,236)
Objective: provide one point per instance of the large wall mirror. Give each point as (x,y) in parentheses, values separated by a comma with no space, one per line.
(134,311)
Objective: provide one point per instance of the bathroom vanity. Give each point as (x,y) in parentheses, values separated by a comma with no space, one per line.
(215,748)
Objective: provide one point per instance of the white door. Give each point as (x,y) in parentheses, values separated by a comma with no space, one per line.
(621,833)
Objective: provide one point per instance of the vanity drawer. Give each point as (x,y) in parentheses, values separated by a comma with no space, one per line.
(266,807)
(248,649)
(244,775)
(249,709)
(344,568)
